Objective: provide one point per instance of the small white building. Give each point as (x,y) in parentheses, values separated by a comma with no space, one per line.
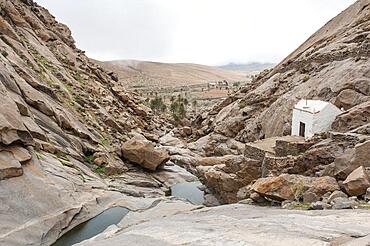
(313,116)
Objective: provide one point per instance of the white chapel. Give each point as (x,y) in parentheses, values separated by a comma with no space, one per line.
(313,116)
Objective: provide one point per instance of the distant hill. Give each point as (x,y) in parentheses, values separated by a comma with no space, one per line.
(248,67)
(144,73)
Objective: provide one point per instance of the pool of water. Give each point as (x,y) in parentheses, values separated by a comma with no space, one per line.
(92,227)
(188,191)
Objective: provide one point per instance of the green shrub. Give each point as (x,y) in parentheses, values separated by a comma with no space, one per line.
(242,104)
(89,159)
(299,205)
(236,84)
(157,105)
(100,170)
(61,155)
(106,142)
(298,190)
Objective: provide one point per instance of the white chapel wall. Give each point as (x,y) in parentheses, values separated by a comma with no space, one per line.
(304,117)
(324,119)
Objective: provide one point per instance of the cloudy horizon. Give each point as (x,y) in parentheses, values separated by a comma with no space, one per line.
(211,32)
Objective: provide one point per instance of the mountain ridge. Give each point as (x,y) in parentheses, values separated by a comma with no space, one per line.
(148,73)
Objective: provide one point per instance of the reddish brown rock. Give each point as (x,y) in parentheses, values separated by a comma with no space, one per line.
(144,154)
(294,187)
(357,182)
(225,175)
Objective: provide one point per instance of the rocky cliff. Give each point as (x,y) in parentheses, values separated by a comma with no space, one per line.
(332,65)
(61,117)
(63,120)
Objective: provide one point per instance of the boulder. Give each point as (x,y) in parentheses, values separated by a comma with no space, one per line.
(144,153)
(210,201)
(319,205)
(343,203)
(244,192)
(309,197)
(217,145)
(348,161)
(225,175)
(170,140)
(294,187)
(357,182)
(257,197)
(337,194)
(353,118)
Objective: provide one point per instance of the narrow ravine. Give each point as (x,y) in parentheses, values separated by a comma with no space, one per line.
(93,227)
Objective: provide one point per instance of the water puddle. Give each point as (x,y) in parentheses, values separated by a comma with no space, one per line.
(92,227)
(188,191)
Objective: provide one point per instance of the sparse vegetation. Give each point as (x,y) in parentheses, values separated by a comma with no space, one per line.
(106,142)
(299,205)
(236,84)
(194,104)
(178,108)
(157,105)
(298,190)
(88,159)
(61,155)
(100,170)
(364,205)
(306,78)
(242,104)
(79,79)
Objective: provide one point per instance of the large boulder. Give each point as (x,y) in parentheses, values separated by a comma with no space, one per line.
(353,118)
(225,175)
(351,159)
(357,182)
(348,98)
(144,153)
(294,187)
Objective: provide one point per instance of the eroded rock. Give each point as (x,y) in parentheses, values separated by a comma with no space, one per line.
(144,153)
(294,187)
(357,182)
(10,167)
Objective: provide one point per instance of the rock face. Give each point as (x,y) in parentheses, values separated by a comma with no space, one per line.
(294,187)
(144,154)
(355,117)
(332,65)
(227,174)
(9,166)
(238,225)
(357,182)
(60,121)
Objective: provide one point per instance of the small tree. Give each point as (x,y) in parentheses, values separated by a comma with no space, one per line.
(195,104)
(236,84)
(157,105)
(178,108)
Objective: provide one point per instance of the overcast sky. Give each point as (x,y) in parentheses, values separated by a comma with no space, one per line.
(210,32)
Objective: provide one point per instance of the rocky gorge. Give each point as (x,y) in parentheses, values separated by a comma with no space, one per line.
(74,143)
